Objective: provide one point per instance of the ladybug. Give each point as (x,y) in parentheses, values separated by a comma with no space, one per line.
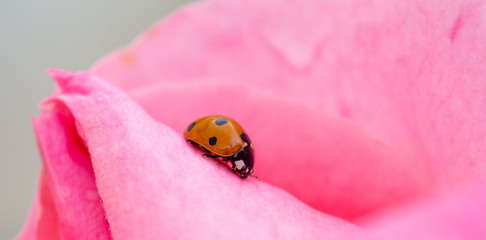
(222,137)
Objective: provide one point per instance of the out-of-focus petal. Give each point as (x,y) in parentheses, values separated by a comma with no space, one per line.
(408,74)
(462,216)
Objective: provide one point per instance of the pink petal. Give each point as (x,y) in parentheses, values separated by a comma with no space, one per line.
(42,222)
(154,185)
(408,74)
(307,153)
(458,217)
(69,207)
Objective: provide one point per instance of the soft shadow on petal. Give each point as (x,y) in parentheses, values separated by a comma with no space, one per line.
(154,185)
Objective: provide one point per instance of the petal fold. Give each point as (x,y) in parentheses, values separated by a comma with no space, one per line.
(150,182)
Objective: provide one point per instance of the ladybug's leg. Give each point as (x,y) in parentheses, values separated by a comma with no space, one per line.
(210,156)
(203,148)
(233,166)
(236,171)
(206,155)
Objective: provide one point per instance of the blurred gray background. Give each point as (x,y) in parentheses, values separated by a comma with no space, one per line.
(35,35)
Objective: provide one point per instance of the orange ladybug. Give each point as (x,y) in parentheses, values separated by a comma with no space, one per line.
(222,137)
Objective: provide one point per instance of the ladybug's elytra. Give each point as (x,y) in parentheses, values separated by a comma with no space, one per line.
(222,137)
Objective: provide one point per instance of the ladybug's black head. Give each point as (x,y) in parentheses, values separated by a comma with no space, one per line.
(243,161)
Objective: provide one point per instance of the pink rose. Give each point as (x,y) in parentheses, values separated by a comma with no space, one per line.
(355,108)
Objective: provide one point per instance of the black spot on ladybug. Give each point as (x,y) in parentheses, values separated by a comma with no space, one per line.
(191,126)
(221,121)
(245,138)
(212,141)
